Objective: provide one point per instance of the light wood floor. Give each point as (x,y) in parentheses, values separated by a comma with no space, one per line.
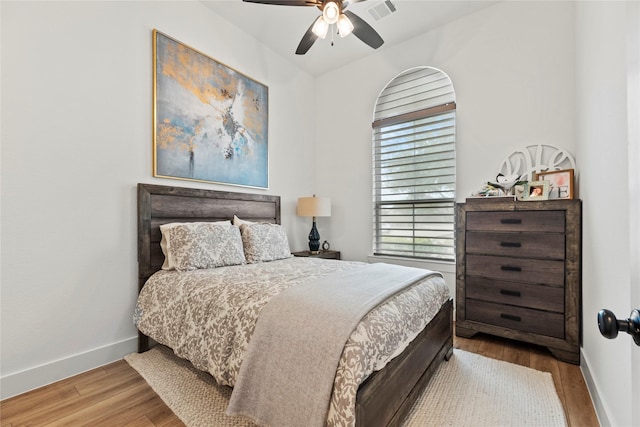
(115,395)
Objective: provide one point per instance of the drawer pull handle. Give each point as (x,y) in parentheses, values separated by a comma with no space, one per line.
(510,268)
(511,244)
(511,317)
(510,293)
(511,221)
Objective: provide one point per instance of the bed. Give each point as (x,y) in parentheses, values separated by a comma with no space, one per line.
(386,396)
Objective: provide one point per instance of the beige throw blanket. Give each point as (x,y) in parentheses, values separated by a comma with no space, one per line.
(287,375)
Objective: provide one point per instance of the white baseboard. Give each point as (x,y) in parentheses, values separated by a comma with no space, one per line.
(598,405)
(38,376)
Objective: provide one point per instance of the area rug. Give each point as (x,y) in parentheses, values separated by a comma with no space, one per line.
(468,390)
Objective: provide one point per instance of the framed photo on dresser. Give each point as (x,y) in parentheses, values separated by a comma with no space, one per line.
(560,183)
(536,190)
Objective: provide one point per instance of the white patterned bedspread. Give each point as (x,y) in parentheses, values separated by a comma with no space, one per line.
(208,316)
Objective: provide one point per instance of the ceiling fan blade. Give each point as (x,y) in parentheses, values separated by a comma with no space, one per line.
(346,3)
(307,41)
(364,31)
(287,2)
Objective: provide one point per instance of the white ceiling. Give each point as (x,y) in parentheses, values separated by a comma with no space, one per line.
(282,27)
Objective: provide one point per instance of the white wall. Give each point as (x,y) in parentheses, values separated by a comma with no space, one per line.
(633,125)
(607,117)
(512,67)
(76,138)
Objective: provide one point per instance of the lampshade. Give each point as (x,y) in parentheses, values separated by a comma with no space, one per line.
(345,26)
(320,27)
(314,206)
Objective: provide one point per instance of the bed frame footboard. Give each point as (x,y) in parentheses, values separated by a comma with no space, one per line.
(386,397)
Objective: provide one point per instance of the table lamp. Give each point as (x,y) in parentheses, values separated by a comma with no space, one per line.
(313,207)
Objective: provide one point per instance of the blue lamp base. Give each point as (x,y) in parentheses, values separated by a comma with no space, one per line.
(314,239)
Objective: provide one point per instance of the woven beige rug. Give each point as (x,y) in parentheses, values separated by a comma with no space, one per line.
(468,390)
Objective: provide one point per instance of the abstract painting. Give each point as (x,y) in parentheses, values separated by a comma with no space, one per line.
(210,121)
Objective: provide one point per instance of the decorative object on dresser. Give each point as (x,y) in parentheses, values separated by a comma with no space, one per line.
(505,183)
(518,272)
(523,168)
(536,191)
(560,183)
(314,207)
(532,159)
(321,254)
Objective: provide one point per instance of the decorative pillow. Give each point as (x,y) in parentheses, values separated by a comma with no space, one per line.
(264,242)
(163,242)
(191,246)
(238,222)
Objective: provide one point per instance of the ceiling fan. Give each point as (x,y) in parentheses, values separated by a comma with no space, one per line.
(333,12)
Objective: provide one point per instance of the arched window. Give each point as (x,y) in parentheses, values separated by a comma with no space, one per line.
(414,175)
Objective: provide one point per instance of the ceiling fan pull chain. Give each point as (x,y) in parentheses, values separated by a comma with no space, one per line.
(331,34)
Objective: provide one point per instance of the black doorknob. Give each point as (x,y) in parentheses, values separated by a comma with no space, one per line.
(609,325)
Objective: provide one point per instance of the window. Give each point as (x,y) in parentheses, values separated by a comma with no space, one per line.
(414,176)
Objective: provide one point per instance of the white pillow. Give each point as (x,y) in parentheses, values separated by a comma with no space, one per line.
(264,242)
(195,245)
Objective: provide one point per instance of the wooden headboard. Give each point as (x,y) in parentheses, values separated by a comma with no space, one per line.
(158,204)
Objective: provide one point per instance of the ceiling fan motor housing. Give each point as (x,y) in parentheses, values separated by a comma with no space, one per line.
(331,12)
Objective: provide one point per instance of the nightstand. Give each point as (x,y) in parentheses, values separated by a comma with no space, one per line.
(321,254)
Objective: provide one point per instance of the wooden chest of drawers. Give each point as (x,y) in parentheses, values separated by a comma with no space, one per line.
(518,272)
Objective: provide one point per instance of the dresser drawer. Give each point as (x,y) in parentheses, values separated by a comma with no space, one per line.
(514,293)
(526,270)
(534,221)
(527,245)
(519,318)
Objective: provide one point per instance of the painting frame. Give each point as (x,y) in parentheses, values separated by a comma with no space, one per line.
(561,183)
(536,191)
(210,121)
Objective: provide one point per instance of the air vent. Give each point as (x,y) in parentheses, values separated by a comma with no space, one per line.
(382,9)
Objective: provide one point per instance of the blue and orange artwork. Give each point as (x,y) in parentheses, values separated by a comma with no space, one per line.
(211,122)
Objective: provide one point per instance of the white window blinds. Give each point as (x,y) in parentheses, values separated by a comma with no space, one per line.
(414,166)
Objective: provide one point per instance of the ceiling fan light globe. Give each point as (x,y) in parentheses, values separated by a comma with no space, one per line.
(320,28)
(331,12)
(345,26)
